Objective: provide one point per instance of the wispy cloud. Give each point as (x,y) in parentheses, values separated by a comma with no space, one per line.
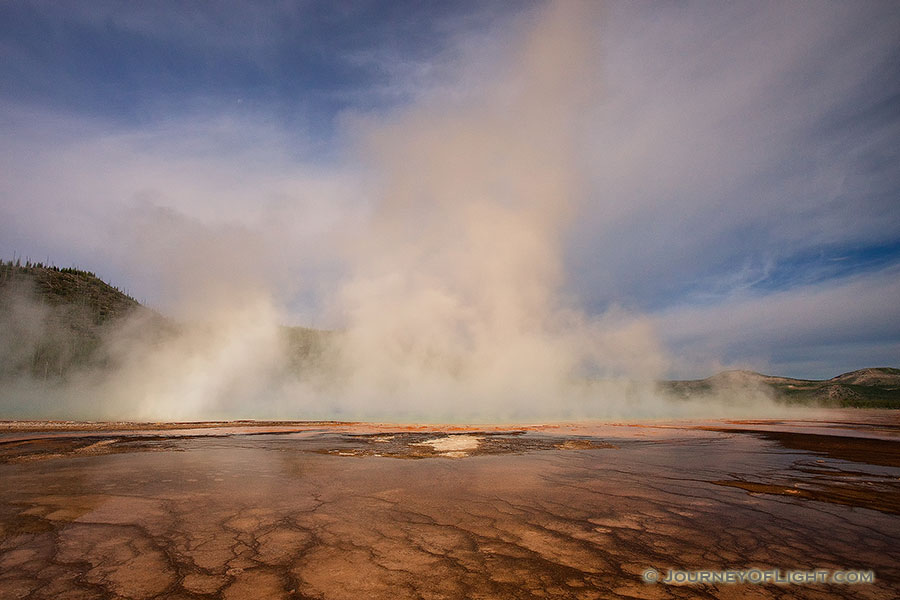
(813,331)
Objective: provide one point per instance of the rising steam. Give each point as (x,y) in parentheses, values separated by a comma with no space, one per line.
(453,307)
(454,298)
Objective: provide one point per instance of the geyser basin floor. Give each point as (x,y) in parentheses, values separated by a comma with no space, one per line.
(330,511)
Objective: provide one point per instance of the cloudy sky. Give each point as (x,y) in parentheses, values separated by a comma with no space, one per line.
(737,164)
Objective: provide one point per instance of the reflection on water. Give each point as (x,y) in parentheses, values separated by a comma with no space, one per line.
(561,512)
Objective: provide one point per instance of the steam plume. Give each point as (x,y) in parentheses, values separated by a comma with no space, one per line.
(454,306)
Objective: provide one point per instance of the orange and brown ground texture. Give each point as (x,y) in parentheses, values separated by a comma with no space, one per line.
(356,511)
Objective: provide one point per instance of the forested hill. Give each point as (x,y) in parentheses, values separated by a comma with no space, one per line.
(57,286)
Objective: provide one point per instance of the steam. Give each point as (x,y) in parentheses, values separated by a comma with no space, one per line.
(454,297)
(454,304)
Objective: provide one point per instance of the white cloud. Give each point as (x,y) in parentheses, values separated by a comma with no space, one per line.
(853,322)
(730,136)
(129,203)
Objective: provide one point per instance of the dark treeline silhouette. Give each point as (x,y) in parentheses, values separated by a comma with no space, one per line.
(54,318)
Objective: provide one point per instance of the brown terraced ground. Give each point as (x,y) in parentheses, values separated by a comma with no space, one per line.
(359,511)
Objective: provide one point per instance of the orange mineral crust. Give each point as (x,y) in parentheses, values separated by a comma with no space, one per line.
(334,510)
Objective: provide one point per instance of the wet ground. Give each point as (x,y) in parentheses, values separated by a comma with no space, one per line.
(358,511)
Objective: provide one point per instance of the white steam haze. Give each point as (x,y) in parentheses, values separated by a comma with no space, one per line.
(454,299)
(440,254)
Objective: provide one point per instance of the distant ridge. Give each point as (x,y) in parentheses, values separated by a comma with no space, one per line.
(877,387)
(885,376)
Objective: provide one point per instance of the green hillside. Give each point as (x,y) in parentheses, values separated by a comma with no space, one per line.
(57,286)
(865,388)
(54,320)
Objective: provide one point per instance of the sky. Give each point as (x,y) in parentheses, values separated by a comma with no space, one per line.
(735,175)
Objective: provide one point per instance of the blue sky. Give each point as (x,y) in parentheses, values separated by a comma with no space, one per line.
(738,165)
(301,63)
